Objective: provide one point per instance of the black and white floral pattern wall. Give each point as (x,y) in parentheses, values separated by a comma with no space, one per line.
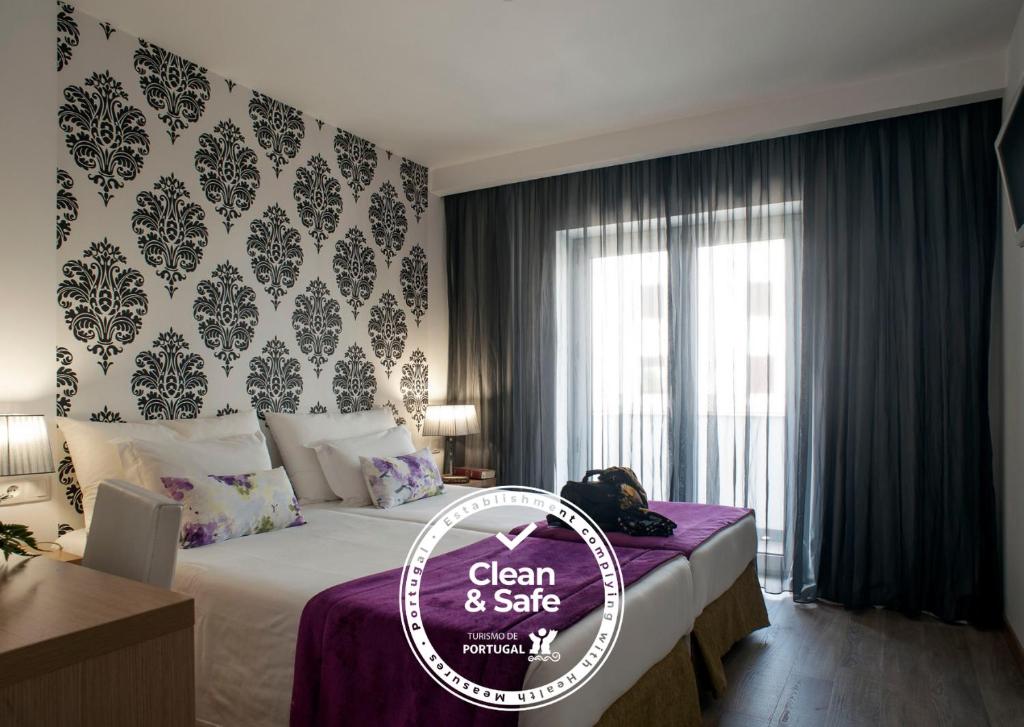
(219,250)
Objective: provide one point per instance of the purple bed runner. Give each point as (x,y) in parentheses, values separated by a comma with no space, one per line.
(353,665)
(695,524)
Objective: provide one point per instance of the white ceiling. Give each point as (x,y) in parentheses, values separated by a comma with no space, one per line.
(447,81)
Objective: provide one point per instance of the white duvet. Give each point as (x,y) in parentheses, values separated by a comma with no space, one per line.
(249,594)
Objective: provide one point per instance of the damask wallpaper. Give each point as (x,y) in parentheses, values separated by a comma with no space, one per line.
(219,250)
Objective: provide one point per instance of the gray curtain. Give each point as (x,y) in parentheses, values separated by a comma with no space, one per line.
(809,320)
(501,327)
(900,228)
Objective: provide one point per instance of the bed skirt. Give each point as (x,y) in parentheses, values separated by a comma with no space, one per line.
(665,695)
(735,614)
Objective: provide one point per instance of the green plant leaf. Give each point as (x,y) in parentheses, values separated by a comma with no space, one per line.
(14,538)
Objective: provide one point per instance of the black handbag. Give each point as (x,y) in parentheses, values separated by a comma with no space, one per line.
(616,501)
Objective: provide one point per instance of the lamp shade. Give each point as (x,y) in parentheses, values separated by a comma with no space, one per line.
(451,420)
(24,445)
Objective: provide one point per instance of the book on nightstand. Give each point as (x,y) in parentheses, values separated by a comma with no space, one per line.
(475,473)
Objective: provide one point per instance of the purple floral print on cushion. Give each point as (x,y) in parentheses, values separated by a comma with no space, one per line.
(293,508)
(195,534)
(417,466)
(241,483)
(386,468)
(176,487)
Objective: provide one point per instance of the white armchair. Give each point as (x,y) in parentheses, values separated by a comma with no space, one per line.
(134,534)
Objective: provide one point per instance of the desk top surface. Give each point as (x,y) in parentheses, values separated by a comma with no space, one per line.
(53,613)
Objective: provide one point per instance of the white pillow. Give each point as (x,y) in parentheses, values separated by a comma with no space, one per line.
(146,462)
(229,425)
(339,459)
(294,433)
(95,456)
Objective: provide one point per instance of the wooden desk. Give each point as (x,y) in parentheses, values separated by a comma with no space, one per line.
(81,647)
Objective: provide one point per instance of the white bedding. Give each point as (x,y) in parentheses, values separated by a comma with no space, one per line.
(715,565)
(249,594)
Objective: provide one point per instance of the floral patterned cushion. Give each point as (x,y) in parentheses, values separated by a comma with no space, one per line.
(393,481)
(222,507)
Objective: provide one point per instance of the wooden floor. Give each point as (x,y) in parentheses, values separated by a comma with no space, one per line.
(823,665)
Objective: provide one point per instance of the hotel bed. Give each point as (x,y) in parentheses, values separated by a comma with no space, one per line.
(250,592)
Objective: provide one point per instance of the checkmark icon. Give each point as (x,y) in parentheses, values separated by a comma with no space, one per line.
(511,543)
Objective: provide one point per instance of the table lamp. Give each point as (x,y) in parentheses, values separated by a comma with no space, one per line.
(24,449)
(450,421)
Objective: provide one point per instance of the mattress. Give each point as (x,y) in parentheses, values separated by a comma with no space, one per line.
(249,594)
(721,560)
(715,565)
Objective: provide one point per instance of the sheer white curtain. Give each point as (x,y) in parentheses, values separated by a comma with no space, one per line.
(612,311)
(747,364)
(736,269)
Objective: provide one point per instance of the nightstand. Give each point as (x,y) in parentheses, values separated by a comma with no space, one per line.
(81,647)
(483,483)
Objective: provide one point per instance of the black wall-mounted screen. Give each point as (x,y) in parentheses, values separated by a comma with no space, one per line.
(1010,148)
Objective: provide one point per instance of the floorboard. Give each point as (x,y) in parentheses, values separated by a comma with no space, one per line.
(823,665)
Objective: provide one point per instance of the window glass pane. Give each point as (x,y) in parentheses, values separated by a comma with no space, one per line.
(629,346)
(741,328)
(613,351)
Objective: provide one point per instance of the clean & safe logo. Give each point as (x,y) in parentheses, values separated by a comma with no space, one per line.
(501,598)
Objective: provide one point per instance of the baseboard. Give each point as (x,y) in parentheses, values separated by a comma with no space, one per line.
(1015,645)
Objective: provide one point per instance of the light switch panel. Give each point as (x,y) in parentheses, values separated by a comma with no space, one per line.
(24,490)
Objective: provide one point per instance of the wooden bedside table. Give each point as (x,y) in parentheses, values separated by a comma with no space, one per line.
(81,647)
(483,483)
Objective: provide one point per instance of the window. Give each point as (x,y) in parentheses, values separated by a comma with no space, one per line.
(741,329)
(629,305)
(612,302)
(741,377)
(614,349)
(629,365)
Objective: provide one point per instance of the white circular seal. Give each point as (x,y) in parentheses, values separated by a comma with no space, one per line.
(605,561)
